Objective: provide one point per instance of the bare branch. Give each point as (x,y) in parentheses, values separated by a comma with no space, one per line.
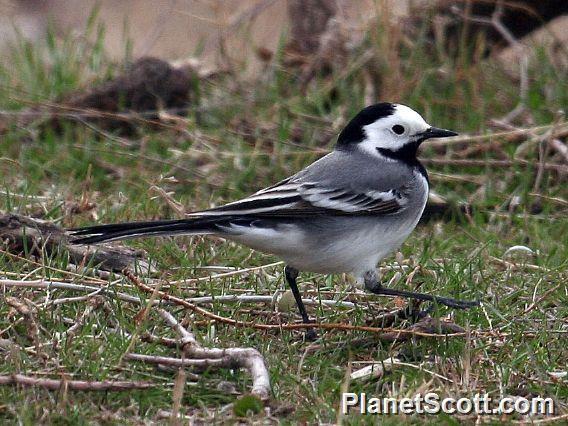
(247,358)
(22,231)
(187,337)
(560,147)
(180,362)
(94,303)
(230,321)
(177,393)
(562,130)
(107,291)
(30,321)
(48,284)
(107,385)
(559,168)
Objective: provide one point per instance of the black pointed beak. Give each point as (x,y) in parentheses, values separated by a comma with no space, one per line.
(434,132)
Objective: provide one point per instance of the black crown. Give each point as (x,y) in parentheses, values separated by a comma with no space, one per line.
(353,132)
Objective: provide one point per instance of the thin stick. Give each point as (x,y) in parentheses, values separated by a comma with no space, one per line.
(560,168)
(94,303)
(229,298)
(65,300)
(107,385)
(30,321)
(560,147)
(247,358)
(562,130)
(187,337)
(541,298)
(32,197)
(330,326)
(226,274)
(265,299)
(48,284)
(42,265)
(177,394)
(177,362)
(541,421)
(556,200)
(376,369)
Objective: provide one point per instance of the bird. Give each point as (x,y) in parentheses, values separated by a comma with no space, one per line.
(343,213)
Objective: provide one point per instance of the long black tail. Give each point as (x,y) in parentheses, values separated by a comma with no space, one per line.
(122,231)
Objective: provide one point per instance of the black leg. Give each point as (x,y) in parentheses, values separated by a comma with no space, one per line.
(372,284)
(291,275)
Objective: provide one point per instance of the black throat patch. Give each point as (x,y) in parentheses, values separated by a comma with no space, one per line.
(407,156)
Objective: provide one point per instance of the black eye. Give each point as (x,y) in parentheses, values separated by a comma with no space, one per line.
(398,129)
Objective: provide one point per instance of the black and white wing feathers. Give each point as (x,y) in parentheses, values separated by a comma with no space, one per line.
(291,198)
(349,201)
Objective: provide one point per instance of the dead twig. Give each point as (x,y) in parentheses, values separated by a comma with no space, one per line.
(562,130)
(167,197)
(108,291)
(541,299)
(330,326)
(559,168)
(178,362)
(559,147)
(30,321)
(25,233)
(52,384)
(555,419)
(94,303)
(253,298)
(247,358)
(164,341)
(555,200)
(65,300)
(48,285)
(177,394)
(426,326)
(198,356)
(226,274)
(377,369)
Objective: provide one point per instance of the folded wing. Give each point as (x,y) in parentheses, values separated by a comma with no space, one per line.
(290,198)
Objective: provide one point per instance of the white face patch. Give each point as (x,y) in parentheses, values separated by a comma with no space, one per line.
(384,133)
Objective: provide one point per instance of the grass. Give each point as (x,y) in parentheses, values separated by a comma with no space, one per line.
(241,138)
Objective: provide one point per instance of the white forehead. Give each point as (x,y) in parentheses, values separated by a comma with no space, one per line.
(409,116)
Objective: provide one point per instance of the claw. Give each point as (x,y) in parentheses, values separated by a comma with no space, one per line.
(372,284)
(457,304)
(311,335)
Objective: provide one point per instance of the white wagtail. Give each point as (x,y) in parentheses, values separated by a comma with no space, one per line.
(343,213)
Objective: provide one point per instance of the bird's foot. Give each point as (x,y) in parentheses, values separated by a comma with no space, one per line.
(373,285)
(447,301)
(311,335)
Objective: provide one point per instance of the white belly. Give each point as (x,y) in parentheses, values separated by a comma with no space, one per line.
(353,249)
(356,253)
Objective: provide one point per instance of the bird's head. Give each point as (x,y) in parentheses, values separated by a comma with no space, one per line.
(388,130)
